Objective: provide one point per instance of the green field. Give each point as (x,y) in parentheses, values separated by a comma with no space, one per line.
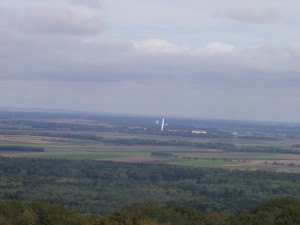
(203,163)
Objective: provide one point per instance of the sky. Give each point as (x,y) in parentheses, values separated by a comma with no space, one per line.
(218,59)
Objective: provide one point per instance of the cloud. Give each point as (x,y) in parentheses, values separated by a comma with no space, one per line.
(251,14)
(215,65)
(64,18)
(94,3)
(217,48)
(158,45)
(3,12)
(58,54)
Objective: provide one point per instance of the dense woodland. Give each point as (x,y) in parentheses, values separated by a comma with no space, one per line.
(93,186)
(19,148)
(283,211)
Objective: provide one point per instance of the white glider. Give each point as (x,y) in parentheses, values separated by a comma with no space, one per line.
(163,124)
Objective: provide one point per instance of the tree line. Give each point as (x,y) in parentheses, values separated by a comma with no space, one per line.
(20,148)
(280,211)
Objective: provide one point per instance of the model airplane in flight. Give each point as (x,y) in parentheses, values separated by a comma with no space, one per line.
(163,124)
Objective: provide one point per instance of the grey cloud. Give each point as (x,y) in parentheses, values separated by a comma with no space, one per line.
(53,57)
(63,18)
(216,66)
(3,13)
(216,80)
(93,3)
(251,14)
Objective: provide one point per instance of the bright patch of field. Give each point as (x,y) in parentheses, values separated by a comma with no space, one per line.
(146,159)
(276,165)
(27,139)
(243,161)
(280,145)
(202,163)
(85,156)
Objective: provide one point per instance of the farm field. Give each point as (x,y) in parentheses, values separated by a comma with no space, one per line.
(65,148)
(229,145)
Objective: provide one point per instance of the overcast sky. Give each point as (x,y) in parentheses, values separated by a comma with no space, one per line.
(228,59)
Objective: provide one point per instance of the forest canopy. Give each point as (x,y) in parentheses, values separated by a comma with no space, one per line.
(97,186)
(281,211)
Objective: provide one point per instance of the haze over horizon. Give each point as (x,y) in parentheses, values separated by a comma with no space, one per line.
(200,59)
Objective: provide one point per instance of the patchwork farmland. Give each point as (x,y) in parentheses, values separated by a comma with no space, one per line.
(64,138)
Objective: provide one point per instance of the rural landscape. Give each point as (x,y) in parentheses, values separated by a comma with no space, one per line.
(149,112)
(128,167)
(215,144)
